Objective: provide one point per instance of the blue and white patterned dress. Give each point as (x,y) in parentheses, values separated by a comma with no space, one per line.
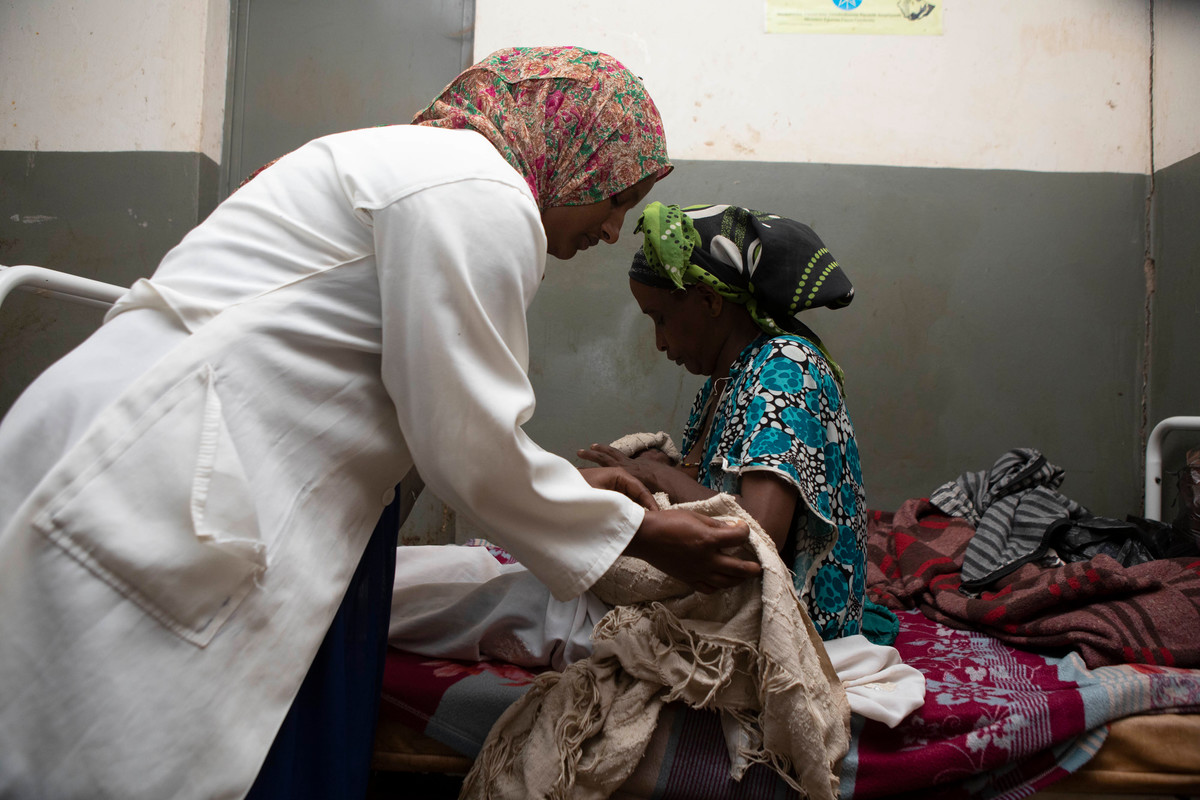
(782,411)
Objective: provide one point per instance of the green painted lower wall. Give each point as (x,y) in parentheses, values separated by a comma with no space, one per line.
(1175,343)
(994,309)
(108,216)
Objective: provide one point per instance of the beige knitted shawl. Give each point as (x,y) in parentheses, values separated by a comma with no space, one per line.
(750,653)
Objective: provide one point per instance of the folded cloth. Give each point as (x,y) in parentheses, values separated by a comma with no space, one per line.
(634,443)
(878,684)
(459,602)
(749,652)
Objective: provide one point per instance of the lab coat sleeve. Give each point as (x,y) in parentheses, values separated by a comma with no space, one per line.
(458,266)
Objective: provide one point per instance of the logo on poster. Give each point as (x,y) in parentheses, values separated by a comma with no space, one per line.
(847,5)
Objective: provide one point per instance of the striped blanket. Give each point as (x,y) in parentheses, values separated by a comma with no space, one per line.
(1108,613)
(998,722)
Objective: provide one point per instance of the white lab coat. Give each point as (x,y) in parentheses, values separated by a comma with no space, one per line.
(175,539)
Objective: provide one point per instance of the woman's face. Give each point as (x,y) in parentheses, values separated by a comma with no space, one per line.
(570,229)
(685,324)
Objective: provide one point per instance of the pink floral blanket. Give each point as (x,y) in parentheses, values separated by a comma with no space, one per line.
(998,722)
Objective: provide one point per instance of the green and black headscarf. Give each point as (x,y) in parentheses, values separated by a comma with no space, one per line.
(774,266)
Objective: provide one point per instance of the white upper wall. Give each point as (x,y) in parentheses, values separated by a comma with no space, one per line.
(1026,84)
(113,75)
(1176,75)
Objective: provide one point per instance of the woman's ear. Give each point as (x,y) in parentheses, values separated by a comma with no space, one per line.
(713,302)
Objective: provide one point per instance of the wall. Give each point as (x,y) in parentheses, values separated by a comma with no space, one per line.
(1175,305)
(1176,67)
(1022,85)
(95,77)
(111,118)
(985,189)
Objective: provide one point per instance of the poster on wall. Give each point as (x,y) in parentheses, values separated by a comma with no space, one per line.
(886,17)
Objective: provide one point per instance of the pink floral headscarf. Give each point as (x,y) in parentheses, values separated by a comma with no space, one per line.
(577,124)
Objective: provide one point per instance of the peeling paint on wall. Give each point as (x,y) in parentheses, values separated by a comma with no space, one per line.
(1149,273)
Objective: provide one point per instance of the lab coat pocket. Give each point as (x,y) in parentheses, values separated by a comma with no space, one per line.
(157,504)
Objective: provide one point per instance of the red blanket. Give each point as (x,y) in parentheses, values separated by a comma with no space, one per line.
(1110,614)
(997,724)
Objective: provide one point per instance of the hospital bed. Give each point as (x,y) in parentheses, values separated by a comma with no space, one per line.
(999,721)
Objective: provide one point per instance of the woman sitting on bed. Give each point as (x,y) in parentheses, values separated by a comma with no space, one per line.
(770,427)
(724,287)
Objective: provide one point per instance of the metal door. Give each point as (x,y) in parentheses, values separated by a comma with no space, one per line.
(303,68)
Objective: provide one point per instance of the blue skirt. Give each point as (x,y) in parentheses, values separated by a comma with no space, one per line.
(323,749)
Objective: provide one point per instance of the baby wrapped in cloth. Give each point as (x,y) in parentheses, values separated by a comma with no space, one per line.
(749,652)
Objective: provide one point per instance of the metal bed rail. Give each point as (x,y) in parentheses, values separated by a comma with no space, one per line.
(62,285)
(1154,460)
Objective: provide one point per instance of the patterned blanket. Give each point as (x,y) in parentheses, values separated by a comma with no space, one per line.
(998,722)
(1108,613)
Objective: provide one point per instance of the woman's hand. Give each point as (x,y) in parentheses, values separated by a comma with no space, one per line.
(646,466)
(694,548)
(619,480)
(653,468)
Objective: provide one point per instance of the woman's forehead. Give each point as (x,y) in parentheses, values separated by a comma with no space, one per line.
(656,298)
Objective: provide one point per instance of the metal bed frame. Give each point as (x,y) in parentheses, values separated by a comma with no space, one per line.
(64,286)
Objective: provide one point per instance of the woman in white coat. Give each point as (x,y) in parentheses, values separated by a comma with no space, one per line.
(186,498)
